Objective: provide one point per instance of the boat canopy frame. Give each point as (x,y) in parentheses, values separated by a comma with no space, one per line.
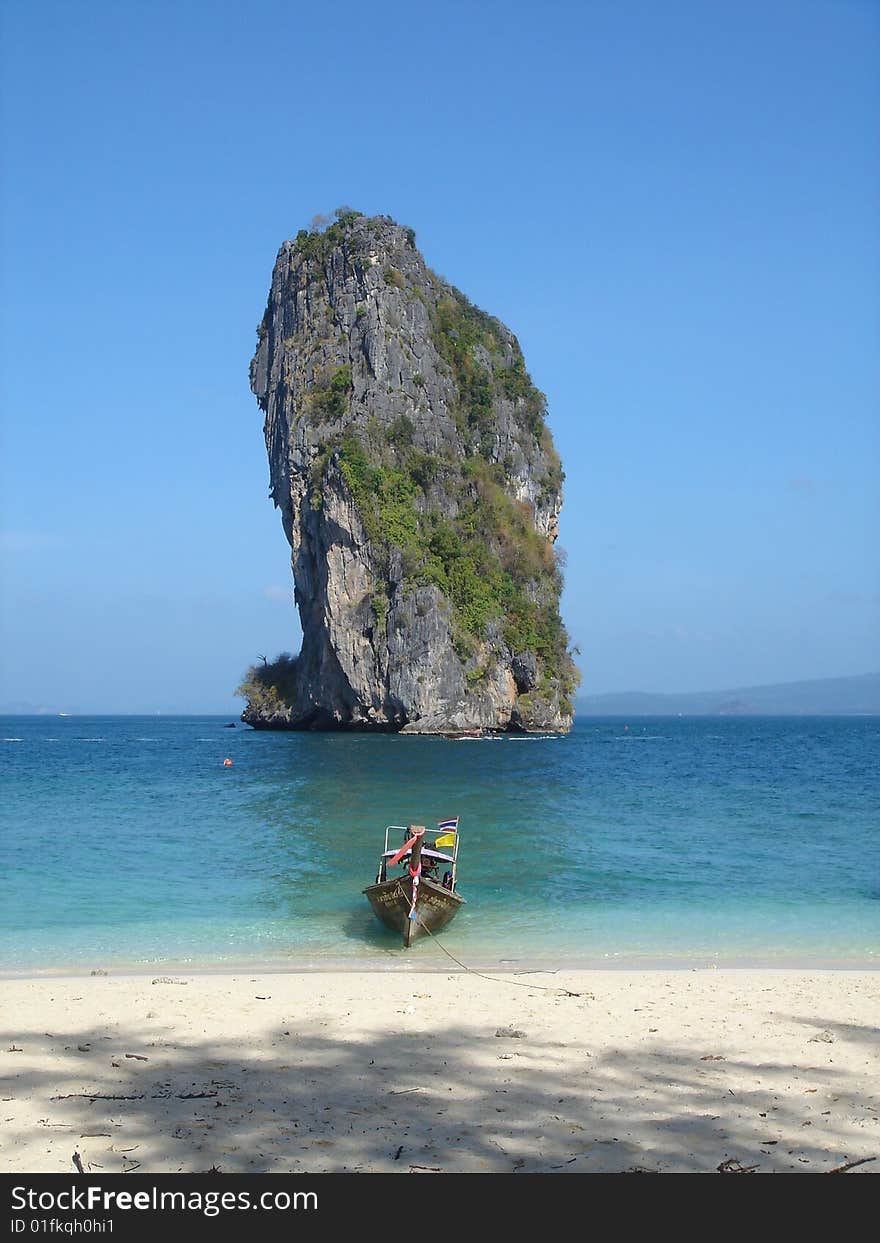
(388,852)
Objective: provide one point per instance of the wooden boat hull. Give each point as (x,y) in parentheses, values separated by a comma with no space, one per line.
(391,900)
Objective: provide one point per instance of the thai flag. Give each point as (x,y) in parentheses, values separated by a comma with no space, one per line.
(449,826)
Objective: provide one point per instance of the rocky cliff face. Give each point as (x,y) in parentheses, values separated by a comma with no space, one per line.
(420,492)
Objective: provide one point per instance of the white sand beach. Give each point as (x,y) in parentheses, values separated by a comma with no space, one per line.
(648,1070)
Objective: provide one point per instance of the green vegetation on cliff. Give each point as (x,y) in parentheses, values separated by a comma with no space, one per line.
(269,688)
(330,400)
(489,561)
(461,332)
(316,243)
(320,240)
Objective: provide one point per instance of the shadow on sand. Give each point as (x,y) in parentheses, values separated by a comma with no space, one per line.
(305,1098)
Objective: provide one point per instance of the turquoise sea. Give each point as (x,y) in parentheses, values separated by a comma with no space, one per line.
(125,842)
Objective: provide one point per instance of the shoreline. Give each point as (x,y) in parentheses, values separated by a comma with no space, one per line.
(442,1071)
(398,965)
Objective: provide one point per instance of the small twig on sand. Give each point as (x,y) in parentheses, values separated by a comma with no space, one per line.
(137,1096)
(850,1165)
(98,1096)
(77,1161)
(734,1166)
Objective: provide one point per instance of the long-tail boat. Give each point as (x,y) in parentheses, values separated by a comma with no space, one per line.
(417,899)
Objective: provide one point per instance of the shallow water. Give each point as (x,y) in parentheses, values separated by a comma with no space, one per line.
(125,841)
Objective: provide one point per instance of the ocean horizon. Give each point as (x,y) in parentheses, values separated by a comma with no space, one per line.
(688,841)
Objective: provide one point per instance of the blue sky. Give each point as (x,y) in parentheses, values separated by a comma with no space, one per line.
(673,205)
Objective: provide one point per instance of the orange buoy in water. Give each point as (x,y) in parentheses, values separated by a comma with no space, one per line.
(227,763)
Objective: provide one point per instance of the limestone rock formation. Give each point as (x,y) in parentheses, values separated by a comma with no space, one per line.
(420,492)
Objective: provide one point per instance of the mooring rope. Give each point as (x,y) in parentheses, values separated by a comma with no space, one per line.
(546,988)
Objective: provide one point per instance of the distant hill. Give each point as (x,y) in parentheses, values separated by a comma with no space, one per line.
(855,696)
